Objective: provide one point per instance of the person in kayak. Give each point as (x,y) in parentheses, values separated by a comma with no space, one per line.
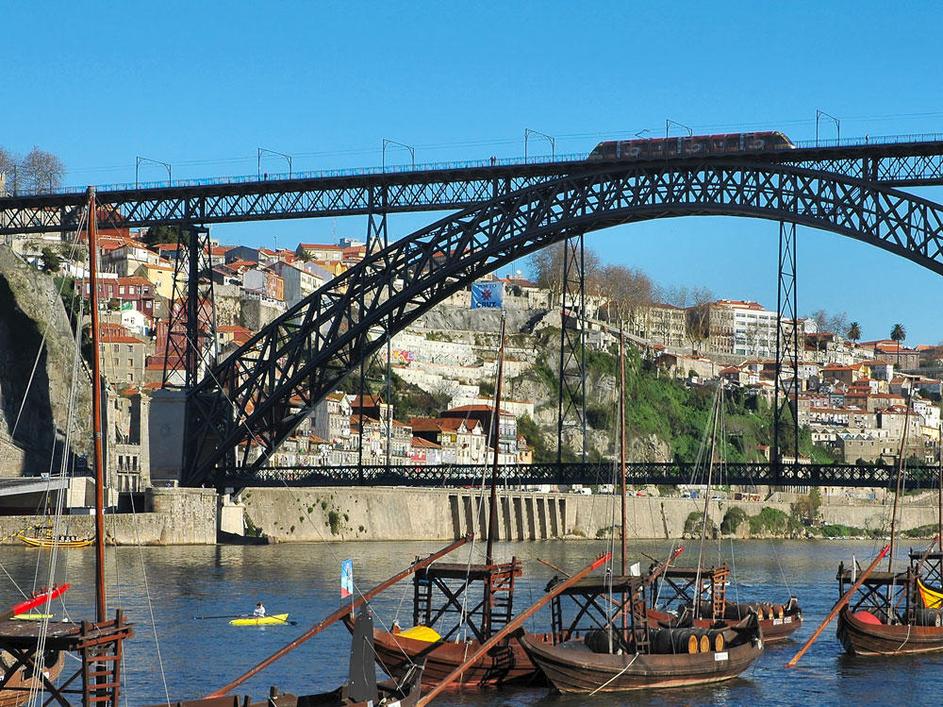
(259,610)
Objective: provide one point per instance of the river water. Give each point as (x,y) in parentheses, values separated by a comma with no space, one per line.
(302,579)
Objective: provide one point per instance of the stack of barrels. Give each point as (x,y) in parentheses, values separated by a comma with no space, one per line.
(688,640)
(737,612)
(664,640)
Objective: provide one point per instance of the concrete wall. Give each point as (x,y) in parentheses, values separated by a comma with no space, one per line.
(171,517)
(304,515)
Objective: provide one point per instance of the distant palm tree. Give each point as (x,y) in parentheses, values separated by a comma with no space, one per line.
(898,334)
(854,332)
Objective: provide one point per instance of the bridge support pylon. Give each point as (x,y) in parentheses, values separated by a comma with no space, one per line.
(190,343)
(788,337)
(571,402)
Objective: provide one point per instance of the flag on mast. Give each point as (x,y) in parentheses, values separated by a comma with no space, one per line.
(487,295)
(347,578)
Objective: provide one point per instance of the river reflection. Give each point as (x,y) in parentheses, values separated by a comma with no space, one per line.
(303,579)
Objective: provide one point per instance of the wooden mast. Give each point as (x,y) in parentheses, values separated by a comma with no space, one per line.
(493,498)
(707,500)
(100,603)
(495,440)
(939,497)
(622,442)
(900,486)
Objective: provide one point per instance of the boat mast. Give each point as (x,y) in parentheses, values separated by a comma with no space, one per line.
(622,441)
(100,605)
(900,486)
(939,492)
(707,500)
(495,439)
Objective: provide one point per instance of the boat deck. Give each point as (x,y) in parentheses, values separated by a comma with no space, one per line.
(462,570)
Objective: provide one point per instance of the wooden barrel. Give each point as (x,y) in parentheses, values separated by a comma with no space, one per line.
(704,642)
(760,614)
(778,611)
(719,642)
(663,641)
(692,642)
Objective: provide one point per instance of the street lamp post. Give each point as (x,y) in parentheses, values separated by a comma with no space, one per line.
(137,168)
(669,122)
(387,142)
(819,114)
(553,143)
(258,161)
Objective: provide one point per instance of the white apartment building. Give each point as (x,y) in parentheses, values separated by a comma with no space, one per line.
(742,328)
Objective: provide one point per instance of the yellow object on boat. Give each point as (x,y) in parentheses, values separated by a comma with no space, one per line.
(421,633)
(270,620)
(32,617)
(50,542)
(931,598)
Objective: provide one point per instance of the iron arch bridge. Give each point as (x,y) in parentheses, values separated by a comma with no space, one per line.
(252,401)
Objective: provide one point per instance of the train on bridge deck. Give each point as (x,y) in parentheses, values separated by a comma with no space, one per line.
(691,146)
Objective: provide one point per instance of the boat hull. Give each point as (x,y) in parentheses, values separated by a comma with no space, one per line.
(871,639)
(14,691)
(508,662)
(574,669)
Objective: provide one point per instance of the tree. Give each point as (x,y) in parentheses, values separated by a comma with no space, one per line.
(51,261)
(7,165)
(546,266)
(898,334)
(854,331)
(161,234)
(40,171)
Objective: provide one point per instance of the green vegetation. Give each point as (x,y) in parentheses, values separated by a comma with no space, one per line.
(692,525)
(924,531)
(845,531)
(806,509)
(772,521)
(334,521)
(732,520)
(541,450)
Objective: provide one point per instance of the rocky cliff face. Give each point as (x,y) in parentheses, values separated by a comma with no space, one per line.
(29,307)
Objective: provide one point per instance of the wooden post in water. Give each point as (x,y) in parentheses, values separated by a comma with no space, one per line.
(100,603)
(337,615)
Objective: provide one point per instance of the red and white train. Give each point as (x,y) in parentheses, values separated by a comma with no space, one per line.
(669,147)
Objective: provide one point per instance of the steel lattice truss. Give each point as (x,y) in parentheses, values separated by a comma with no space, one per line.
(244,404)
(918,163)
(586,473)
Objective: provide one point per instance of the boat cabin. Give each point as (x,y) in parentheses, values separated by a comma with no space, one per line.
(675,589)
(447,589)
(616,605)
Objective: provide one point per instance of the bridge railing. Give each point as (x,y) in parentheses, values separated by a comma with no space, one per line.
(437,166)
(316,174)
(588,474)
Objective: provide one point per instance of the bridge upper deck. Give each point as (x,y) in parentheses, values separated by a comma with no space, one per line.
(893,161)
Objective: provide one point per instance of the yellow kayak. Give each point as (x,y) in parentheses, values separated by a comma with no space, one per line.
(32,617)
(271,620)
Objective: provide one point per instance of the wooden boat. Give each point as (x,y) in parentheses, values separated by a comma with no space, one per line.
(15,690)
(886,616)
(270,620)
(675,590)
(613,641)
(69,542)
(640,655)
(931,597)
(442,591)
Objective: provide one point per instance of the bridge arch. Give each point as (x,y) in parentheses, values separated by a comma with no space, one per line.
(252,398)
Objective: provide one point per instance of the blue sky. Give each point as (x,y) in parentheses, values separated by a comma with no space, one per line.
(203,84)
